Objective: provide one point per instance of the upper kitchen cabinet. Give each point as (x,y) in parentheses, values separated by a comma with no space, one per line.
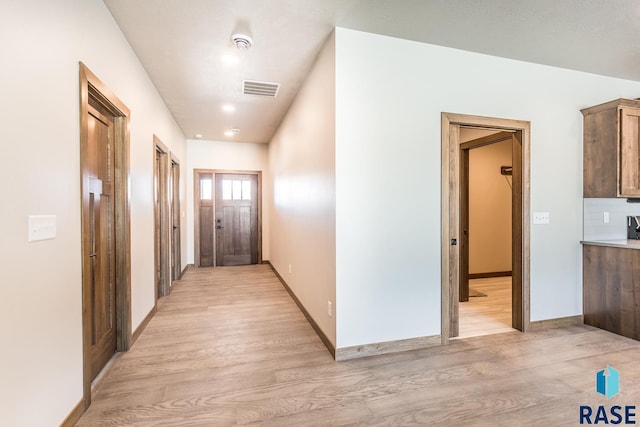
(612,149)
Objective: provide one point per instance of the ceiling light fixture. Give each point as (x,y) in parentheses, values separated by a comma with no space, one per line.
(242,41)
(228,108)
(197,136)
(232,132)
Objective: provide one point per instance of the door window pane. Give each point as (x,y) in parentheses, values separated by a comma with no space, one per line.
(205,188)
(237,189)
(246,190)
(226,189)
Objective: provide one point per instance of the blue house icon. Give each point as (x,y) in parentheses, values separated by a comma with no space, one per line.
(608,382)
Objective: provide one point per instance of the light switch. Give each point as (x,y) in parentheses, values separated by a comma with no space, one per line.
(605,217)
(541,218)
(42,227)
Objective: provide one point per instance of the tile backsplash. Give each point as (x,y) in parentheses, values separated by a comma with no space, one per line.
(594,226)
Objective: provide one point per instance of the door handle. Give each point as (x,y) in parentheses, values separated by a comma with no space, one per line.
(218,227)
(175,227)
(93,255)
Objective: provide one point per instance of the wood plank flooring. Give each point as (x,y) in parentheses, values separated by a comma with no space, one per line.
(229,347)
(487,315)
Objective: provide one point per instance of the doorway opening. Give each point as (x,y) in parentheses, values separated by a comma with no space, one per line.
(485,294)
(228,229)
(105,219)
(162,218)
(457,150)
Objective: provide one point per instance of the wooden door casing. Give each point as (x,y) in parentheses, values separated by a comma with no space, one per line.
(517,247)
(451,223)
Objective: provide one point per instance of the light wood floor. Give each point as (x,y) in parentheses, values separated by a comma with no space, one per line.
(229,347)
(487,315)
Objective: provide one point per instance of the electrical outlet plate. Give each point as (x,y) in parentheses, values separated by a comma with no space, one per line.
(541,218)
(42,227)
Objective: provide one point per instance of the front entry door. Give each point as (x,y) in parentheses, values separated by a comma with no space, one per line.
(99,238)
(236,219)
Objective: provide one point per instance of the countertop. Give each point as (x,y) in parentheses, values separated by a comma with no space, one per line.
(627,244)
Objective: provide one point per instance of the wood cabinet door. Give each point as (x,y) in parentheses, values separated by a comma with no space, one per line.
(629,167)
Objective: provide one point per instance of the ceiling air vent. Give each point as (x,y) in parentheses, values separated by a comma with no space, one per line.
(252,87)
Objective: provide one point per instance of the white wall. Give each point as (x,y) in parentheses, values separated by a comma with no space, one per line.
(40,309)
(302,167)
(389,97)
(224,155)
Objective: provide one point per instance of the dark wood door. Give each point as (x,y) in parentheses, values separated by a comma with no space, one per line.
(205,215)
(176,265)
(236,219)
(98,227)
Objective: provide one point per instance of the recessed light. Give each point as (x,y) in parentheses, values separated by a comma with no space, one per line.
(229,59)
(232,132)
(197,136)
(228,108)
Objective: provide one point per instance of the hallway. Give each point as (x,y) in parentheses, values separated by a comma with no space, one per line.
(230,347)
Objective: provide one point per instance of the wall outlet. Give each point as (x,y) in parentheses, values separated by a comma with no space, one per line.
(605,217)
(289,268)
(541,218)
(41,227)
(330,309)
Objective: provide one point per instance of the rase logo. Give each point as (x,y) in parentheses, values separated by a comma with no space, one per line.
(608,384)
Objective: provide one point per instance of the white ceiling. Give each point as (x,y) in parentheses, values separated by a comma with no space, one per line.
(180,43)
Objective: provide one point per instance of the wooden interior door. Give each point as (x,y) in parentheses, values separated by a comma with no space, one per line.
(176,263)
(236,219)
(162,220)
(205,220)
(98,229)
(157,228)
(162,226)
